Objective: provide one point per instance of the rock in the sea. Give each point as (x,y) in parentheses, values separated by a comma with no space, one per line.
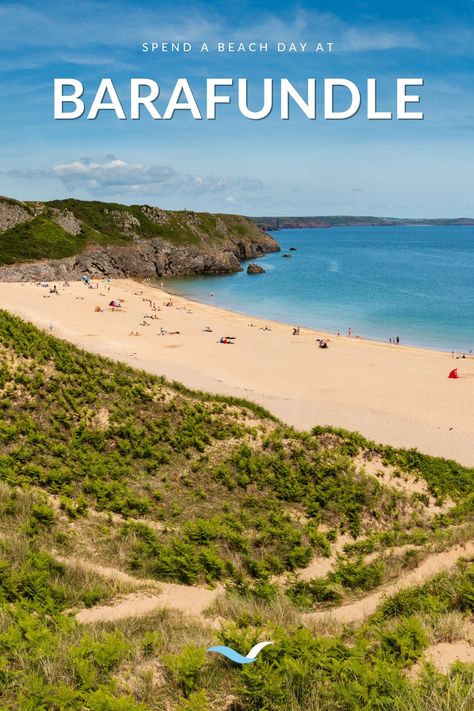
(286,255)
(255,269)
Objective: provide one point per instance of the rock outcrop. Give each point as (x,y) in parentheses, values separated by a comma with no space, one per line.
(255,269)
(66,220)
(12,213)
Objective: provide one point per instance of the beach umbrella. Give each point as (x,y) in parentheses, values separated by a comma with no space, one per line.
(453,373)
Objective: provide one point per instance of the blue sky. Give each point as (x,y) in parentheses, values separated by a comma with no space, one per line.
(399,168)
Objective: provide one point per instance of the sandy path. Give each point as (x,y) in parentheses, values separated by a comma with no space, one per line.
(189,600)
(108,572)
(359,610)
(444,654)
(393,394)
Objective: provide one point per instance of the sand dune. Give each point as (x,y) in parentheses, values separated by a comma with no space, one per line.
(393,394)
(431,566)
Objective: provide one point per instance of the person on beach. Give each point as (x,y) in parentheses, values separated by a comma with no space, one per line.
(349,332)
(397,340)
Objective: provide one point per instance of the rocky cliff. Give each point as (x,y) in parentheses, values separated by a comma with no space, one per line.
(65,239)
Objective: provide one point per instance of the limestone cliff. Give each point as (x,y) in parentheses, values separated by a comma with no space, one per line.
(65,239)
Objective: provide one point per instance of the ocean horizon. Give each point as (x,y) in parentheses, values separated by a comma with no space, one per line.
(411,282)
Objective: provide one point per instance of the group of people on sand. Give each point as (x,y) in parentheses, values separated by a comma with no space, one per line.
(154,317)
(151,303)
(395,340)
(261,328)
(463,355)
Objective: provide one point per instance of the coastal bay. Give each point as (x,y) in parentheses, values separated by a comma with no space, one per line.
(397,395)
(411,281)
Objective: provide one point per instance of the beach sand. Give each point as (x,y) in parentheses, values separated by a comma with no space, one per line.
(393,394)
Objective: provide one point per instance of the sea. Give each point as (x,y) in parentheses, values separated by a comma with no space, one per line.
(414,283)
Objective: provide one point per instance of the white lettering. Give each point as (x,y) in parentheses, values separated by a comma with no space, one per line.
(136,100)
(329,112)
(267,100)
(106,86)
(372,112)
(182,87)
(403,99)
(74,98)
(307,107)
(213,99)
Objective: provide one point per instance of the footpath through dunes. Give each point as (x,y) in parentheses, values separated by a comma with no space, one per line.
(190,600)
(195,600)
(361,609)
(186,599)
(392,394)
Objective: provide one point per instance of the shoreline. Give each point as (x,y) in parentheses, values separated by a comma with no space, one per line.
(318,331)
(398,395)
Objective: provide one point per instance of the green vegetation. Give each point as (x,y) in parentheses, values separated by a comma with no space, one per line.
(38,239)
(100,223)
(119,468)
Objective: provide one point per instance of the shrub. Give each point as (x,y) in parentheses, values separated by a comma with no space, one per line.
(196,701)
(405,642)
(186,668)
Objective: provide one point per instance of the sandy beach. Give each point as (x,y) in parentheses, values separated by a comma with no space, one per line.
(393,394)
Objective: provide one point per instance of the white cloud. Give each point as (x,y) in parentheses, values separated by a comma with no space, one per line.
(112,176)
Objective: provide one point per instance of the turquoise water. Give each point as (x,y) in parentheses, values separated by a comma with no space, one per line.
(413,282)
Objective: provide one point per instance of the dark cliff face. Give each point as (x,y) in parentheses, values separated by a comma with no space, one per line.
(117,241)
(151,258)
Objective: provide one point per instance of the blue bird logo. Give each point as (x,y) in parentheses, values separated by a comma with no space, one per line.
(234,656)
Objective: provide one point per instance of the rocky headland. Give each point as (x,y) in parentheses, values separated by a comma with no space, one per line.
(65,239)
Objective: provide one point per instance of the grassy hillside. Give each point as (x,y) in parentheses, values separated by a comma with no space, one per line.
(63,228)
(112,480)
